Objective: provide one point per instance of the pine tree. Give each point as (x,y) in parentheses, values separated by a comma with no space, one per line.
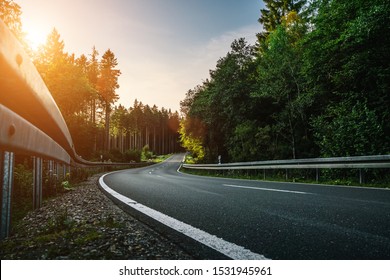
(275,11)
(107,84)
(93,73)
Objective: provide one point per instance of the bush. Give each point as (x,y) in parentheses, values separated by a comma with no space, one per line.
(22,196)
(146,153)
(133,156)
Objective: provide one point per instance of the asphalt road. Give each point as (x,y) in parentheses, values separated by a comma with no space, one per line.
(277,220)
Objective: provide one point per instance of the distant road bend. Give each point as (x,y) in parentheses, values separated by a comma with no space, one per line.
(244,219)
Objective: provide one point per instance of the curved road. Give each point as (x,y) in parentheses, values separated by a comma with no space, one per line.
(271,219)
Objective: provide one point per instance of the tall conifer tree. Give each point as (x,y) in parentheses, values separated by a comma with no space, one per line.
(107,85)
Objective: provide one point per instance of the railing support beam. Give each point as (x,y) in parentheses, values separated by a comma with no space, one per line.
(6,175)
(37,184)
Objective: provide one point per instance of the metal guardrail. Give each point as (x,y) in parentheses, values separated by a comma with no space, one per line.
(24,92)
(30,124)
(379,161)
(357,162)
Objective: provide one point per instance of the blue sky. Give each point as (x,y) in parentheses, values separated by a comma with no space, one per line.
(164,47)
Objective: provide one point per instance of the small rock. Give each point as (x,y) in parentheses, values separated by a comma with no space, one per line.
(45,234)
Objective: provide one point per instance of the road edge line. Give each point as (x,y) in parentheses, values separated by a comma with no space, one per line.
(226,248)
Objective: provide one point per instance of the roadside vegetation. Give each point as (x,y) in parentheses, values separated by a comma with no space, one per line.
(315,84)
(326,177)
(57,182)
(378,178)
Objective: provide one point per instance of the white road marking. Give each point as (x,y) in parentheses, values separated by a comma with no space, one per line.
(229,249)
(264,189)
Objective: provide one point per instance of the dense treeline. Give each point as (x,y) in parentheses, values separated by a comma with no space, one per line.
(145,127)
(317,83)
(84,89)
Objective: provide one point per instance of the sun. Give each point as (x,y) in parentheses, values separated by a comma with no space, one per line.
(35,37)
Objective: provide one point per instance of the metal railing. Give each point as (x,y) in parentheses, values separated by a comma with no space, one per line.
(379,161)
(356,162)
(30,124)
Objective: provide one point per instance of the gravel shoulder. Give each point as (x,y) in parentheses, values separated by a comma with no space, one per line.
(85,224)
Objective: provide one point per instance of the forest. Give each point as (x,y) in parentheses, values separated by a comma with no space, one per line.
(315,84)
(84,89)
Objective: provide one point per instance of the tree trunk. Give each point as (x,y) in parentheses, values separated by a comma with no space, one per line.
(107,127)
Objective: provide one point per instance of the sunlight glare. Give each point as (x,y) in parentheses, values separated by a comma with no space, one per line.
(35,37)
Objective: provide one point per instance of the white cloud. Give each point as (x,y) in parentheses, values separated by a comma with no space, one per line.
(206,56)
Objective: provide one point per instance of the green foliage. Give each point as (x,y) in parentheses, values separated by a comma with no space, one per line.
(22,191)
(82,131)
(142,125)
(77,175)
(61,221)
(133,156)
(22,180)
(281,57)
(160,158)
(191,141)
(114,155)
(347,65)
(146,153)
(244,148)
(66,185)
(318,85)
(275,12)
(214,109)
(349,131)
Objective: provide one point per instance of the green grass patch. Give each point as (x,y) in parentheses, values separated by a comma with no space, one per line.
(87,237)
(161,158)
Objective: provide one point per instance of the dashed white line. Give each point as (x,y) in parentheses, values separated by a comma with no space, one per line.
(229,249)
(264,189)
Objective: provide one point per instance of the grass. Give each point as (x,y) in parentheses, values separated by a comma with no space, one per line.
(161,158)
(58,236)
(22,197)
(378,178)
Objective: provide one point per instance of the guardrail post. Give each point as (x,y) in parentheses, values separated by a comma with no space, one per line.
(63,172)
(361,176)
(51,170)
(56,175)
(317,175)
(6,175)
(37,186)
